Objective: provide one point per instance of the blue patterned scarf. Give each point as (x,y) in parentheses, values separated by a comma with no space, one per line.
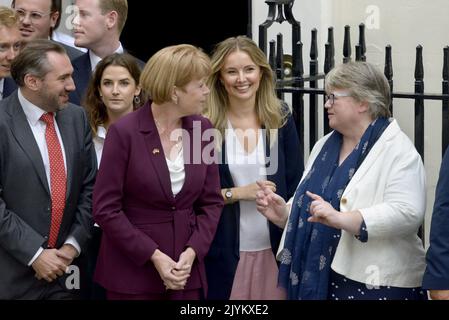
(310,247)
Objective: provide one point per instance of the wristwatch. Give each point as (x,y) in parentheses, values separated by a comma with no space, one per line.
(228,194)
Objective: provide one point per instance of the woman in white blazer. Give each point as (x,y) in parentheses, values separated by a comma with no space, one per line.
(351,228)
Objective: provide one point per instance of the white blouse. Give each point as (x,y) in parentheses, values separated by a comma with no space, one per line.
(98,140)
(247,168)
(99,143)
(177,172)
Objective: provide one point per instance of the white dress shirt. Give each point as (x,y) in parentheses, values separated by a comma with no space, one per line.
(99,143)
(33,113)
(177,172)
(98,140)
(2,84)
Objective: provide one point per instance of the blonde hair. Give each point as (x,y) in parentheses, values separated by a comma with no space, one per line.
(173,66)
(8,17)
(268,107)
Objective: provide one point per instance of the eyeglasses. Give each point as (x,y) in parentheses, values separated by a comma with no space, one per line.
(34,16)
(331,97)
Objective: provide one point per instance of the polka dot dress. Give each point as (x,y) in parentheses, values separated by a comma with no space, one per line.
(342,288)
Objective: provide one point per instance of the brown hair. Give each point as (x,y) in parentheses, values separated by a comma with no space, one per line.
(95,107)
(33,59)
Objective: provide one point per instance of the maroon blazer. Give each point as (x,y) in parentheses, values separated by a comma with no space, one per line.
(135,207)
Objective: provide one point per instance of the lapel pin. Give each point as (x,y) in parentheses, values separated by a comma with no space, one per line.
(156,151)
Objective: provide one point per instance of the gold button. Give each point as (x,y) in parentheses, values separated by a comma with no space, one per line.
(344,200)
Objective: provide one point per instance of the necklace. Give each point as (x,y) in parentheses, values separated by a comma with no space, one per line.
(174,136)
(158,126)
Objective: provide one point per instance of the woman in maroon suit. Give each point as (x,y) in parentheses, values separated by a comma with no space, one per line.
(157,197)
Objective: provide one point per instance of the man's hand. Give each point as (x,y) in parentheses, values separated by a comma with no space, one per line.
(48,265)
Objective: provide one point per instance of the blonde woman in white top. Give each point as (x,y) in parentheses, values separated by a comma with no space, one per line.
(260,143)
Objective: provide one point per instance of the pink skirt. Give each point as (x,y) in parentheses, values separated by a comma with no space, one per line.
(256,277)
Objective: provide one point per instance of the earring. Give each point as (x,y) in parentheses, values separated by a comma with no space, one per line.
(175,100)
(136,100)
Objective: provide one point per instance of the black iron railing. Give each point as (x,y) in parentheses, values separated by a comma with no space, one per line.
(299,84)
(295,84)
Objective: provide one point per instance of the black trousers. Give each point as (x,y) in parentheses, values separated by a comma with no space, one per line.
(55,290)
(91,290)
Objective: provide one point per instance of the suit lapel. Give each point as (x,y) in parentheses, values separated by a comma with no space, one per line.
(158,162)
(8,87)
(156,153)
(154,148)
(373,156)
(81,76)
(21,130)
(189,147)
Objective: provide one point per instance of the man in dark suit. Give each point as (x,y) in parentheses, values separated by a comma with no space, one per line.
(47,172)
(10,44)
(436,277)
(38,20)
(97,27)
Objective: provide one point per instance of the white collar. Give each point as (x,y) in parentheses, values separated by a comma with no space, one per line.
(101,132)
(32,112)
(94,59)
(2,87)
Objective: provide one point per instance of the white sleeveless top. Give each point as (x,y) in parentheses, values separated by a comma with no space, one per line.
(247,168)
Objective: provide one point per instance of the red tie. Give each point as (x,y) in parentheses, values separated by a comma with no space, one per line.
(57,177)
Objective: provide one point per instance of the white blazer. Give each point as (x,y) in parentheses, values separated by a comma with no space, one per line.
(389,190)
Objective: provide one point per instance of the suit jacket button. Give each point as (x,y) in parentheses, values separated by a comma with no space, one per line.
(173,208)
(46,237)
(344,200)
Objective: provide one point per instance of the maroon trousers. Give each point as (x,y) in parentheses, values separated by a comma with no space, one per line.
(194,294)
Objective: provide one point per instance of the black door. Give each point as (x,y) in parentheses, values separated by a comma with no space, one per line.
(153,25)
